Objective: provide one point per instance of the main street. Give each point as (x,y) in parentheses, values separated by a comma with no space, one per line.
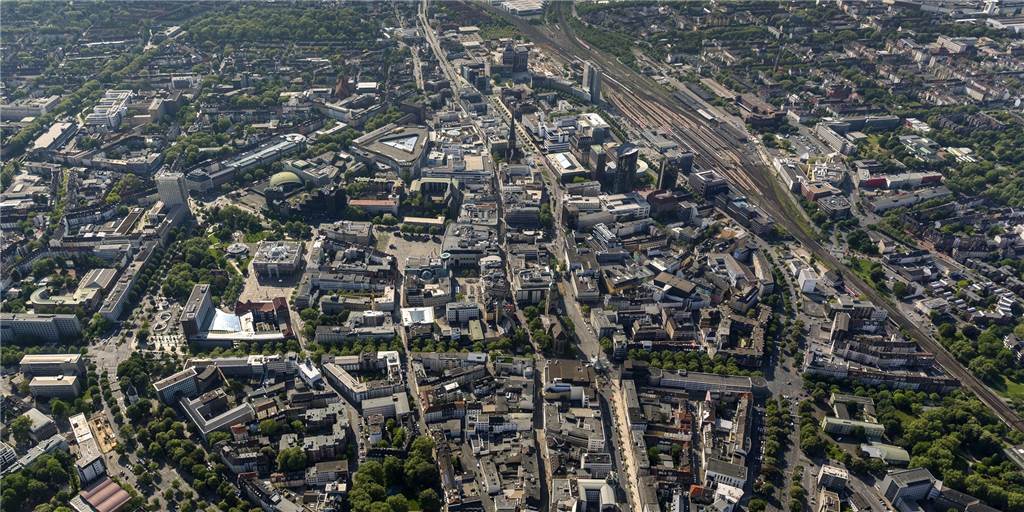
(417,66)
(540,439)
(453,77)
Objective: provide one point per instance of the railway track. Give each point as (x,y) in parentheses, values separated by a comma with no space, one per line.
(645,104)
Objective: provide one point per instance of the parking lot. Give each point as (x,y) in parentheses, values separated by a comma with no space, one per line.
(806,142)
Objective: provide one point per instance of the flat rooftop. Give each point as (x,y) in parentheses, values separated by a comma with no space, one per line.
(54,381)
(51,359)
(175,378)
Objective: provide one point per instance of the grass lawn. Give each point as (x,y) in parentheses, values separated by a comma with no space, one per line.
(904,417)
(383,239)
(251,238)
(861,267)
(790,206)
(1010,389)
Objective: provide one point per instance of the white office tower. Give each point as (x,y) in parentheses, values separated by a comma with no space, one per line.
(171,188)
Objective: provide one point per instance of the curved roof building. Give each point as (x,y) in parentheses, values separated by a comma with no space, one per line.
(402,148)
(285,179)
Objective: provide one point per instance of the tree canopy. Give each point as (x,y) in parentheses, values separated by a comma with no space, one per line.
(389,486)
(311,22)
(48,475)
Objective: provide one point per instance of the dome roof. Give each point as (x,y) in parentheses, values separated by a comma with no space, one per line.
(284,178)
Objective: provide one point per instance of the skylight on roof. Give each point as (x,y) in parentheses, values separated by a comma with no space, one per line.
(406,143)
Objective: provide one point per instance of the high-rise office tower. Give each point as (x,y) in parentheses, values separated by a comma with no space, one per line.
(171,188)
(508,55)
(592,81)
(510,153)
(674,162)
(626,161)
(521,59)
(668,174)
